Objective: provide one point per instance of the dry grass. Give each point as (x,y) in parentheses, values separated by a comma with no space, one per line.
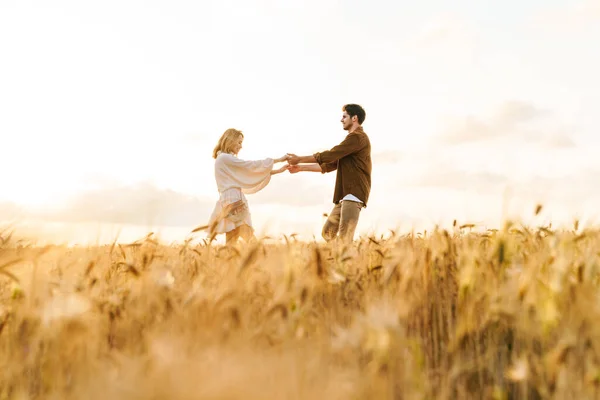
(504,314)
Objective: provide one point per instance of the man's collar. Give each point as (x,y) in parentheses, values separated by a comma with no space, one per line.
(359,129)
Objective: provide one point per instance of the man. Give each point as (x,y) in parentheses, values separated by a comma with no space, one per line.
(352,161)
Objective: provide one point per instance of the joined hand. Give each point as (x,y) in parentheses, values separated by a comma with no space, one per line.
(292,159)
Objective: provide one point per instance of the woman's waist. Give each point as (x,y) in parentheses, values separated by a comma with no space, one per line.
(231,195)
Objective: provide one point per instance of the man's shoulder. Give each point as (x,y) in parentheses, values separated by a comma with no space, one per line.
(360,131)
(357,134)
(360,135)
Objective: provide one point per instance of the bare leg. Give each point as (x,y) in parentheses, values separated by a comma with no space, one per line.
(246,233)
(243,231)
(232,236)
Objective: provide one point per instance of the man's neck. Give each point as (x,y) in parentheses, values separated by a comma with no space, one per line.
(354,128)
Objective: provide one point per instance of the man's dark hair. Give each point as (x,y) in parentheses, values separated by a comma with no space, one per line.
(355,109)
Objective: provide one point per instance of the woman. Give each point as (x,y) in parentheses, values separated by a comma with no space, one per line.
(236,177)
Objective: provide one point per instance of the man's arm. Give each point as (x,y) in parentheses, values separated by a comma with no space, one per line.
(351,144)
(293,159)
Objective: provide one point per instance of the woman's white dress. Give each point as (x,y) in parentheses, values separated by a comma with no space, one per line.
(236,177)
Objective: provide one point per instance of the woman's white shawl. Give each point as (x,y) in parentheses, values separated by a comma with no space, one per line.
(249,176)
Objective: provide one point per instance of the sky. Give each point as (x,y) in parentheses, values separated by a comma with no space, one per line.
(476,110)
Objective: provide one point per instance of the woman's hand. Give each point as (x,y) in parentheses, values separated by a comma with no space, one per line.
(281,159)
(280,170)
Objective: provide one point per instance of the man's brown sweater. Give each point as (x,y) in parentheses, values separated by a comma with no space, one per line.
(352,160)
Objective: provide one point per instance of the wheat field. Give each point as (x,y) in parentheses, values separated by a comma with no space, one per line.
(503,314)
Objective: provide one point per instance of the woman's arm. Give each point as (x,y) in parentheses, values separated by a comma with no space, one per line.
(305,167)
(280,170)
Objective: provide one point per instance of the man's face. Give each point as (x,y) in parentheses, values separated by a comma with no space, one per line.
(346,121)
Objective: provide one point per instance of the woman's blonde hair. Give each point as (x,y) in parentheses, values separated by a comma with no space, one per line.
(227,141)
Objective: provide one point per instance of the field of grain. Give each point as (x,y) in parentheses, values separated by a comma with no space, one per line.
(512,313)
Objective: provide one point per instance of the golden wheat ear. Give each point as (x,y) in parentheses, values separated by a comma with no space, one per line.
(200,228)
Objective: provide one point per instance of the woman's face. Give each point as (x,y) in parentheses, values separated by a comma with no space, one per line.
(238,144)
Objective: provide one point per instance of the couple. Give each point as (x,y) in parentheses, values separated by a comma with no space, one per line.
(236,177)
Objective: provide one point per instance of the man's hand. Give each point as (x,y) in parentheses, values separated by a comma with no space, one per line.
(294,169)
(292,159)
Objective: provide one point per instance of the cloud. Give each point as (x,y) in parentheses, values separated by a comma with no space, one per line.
(514,121)
(388,157)
(144,203)
(461,180)
(514,112)
(444,47)
(576,16)
(582,185)
(136,204)
(572,188)
(10,211)
(442,32)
